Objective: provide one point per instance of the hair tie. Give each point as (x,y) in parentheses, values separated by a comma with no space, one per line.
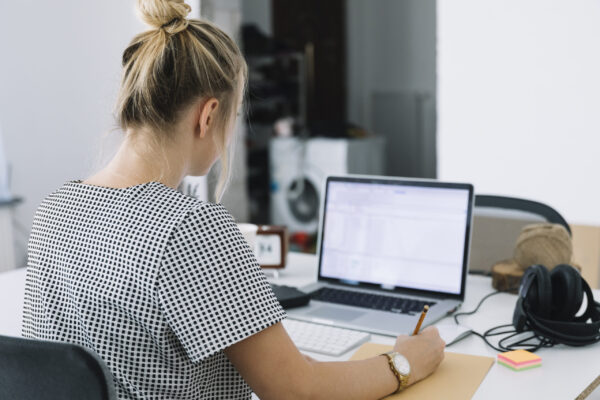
(170,22)
(175,25)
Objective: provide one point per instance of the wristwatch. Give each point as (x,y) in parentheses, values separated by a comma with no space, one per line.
(400,367)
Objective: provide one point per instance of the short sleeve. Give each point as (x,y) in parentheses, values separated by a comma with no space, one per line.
(210,286)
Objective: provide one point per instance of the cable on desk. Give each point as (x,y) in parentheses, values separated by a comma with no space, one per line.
(523,343)
(478,305)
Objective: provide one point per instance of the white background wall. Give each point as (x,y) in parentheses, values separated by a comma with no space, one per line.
(519,100)
(60,68)
(59,74)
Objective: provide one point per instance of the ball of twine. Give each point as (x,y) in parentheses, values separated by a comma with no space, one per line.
(545,244)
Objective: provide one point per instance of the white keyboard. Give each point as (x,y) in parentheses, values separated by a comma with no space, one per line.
(324,339)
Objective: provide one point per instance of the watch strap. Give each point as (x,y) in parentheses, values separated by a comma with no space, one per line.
(402,379)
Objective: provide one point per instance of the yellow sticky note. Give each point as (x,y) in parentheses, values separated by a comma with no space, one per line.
(520,357)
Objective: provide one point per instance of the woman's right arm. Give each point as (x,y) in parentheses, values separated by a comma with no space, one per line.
(275,369)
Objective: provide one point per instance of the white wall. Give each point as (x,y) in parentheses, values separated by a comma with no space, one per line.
(59,73)
(519,100)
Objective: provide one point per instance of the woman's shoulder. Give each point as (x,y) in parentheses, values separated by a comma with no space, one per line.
(208,217)
(152,201)
(149,201)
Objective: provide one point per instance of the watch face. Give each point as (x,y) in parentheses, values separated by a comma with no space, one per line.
(401,364)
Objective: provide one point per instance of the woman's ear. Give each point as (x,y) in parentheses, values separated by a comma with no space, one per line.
(207,115)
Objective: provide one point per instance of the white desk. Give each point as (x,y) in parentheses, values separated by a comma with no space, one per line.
(7,242)
(12,291)
(566,371)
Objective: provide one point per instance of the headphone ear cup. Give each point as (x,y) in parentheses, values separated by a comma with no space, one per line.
(538,298)
(567,293)
(519,316)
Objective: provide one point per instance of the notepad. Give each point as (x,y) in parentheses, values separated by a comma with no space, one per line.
(519,360)
(442,384)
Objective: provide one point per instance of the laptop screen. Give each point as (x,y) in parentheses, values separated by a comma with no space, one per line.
(396,233)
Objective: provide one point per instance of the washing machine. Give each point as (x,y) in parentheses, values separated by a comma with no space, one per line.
(299,167)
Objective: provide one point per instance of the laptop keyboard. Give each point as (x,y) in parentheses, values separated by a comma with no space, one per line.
(393,304)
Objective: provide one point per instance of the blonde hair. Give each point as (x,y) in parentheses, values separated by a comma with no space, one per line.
(178,61)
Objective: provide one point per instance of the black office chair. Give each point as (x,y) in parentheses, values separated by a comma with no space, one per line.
(34,370)
(497,222)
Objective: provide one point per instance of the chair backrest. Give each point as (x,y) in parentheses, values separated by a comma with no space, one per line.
(33,369)
(497,222)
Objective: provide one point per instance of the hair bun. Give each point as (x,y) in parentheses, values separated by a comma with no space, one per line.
(161,13)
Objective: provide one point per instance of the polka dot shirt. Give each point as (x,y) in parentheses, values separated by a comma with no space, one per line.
(155,282)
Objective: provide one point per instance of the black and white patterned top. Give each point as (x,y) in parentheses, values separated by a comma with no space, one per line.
(155,282)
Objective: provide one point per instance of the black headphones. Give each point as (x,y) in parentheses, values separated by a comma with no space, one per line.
(549,301)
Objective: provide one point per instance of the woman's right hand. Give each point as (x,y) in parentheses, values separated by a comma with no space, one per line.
(424,352)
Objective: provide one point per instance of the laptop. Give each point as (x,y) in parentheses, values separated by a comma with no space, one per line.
(388,247)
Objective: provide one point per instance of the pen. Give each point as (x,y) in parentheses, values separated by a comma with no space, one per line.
(425,309)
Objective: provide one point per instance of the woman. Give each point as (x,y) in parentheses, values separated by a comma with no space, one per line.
(162,286)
